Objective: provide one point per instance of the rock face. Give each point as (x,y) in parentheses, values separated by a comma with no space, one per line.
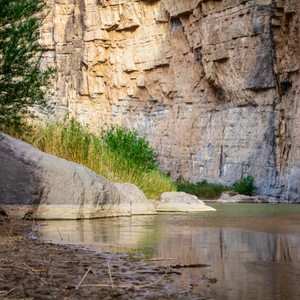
(39,185)
(213,84)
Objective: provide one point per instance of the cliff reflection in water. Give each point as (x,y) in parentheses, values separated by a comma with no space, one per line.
(252,256)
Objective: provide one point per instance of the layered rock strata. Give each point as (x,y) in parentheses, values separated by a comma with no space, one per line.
(213,84)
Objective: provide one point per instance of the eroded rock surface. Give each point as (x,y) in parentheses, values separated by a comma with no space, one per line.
(213,84)
(38,185)
(180,202)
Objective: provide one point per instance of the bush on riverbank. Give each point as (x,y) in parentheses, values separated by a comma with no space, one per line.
(129,145)
(72,141)
(202,189)
(245,186)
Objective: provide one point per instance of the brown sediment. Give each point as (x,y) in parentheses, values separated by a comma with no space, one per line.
(37,270)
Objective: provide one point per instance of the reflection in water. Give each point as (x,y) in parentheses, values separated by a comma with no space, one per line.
(252,251)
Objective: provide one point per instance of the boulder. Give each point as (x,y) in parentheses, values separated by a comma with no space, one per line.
(133,200)
(232,197)
(34,184)
(180,202)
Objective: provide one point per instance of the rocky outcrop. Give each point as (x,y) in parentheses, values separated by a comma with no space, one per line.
(213,84)
(231,197)
(38,185)
(180,202)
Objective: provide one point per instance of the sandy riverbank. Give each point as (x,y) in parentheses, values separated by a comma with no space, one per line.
(36,270)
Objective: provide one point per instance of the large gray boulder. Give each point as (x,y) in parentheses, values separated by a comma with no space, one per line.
(39,185)
(181,202)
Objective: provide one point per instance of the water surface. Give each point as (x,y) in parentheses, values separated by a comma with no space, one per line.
(252,250)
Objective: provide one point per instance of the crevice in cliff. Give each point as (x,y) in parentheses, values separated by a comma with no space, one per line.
(221,163)
(176,25)
(278,124)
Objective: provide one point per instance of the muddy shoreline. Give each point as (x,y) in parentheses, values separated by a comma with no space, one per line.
(37,270)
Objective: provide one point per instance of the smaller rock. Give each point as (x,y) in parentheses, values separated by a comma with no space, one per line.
(180,202)
(232,197)
(133,200)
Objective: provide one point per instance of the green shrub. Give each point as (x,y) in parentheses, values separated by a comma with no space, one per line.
(245,186)
(202,189)
(132,147)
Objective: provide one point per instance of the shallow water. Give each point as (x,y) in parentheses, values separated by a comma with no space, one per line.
(252,250)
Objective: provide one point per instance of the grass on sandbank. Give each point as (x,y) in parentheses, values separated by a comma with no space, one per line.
(74,142)
(202,189)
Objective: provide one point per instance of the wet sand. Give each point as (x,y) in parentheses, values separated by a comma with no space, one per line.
(37,270)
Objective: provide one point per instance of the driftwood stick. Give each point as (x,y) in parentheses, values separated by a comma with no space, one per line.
(160,259)
(77,287)
(6,293)
(105,285)
(29,268)
(125,286)
(48,266)
(61,238)
(109,272)
(33,225)
(9,235)
(178,266)
(152,283)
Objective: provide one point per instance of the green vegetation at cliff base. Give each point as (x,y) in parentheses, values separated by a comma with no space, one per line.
(120,155)
(206,190)
(202,189)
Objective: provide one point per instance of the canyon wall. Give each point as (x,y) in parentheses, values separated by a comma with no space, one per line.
(213,84)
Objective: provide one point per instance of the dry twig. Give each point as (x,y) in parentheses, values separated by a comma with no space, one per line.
(12,240)
(178,266)
(125,286)
(109,272)
(4,293)
(31,269)
(160,259)
(61,238)
(77,287)
(48,266)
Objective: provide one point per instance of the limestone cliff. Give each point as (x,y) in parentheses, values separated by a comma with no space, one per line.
(213,84)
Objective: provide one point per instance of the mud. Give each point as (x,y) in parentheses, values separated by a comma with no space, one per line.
(36,270)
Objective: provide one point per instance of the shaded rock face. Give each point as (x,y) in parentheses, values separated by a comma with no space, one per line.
(213,84)
(39,185)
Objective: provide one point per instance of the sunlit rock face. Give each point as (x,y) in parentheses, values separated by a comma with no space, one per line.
(213,84)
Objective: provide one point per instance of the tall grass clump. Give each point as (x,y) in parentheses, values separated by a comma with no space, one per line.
(72,141)
(202,189)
